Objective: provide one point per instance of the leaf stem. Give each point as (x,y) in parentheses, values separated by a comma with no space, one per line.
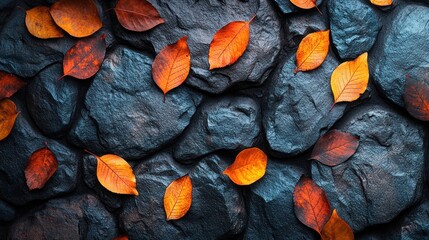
(90,153)
(252,18)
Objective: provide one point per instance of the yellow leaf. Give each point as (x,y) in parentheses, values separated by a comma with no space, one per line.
(382,3)
(337,229)
(40,23)
(312,51)
(178,198)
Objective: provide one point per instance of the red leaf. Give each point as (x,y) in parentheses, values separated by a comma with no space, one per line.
(41,165)
(137,15)
(9,84)
(416,96)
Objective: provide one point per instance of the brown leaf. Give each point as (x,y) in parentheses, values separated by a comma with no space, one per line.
(8,116)
(337,229)
(382,3)
(40,23)
(41,165)
(9,84)
(78,18)
(122,237)
(84,59)
(312,51)
(416,96)
(311,204)
(171,66)
(335,147)
(229,43)
(306,4)
(137,15)
(249,166)
(178,198)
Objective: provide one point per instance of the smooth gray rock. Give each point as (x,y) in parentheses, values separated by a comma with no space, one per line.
(287,7)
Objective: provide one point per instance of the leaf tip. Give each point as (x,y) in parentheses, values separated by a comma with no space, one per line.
(296,70)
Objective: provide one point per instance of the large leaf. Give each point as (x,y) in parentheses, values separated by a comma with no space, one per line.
(8,116)
(178,198)
(229,43)
(41,165)
(40,24)
(337,229)
(416,97)
(9,84)
(137,15)
(312,51)
(382,3)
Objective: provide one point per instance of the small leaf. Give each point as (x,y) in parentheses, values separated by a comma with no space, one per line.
(335,147)
(306,4)
(9,84)
(8,116)
(171,66)
(41,165)
(84,59)
(40,23)
(122,237)
(249,166)
(78,18)
(350,79)
(337,229)
(229,43)
(416,96)
(137,15)
(311,204)
(312,51)
(382,3)
(178,198)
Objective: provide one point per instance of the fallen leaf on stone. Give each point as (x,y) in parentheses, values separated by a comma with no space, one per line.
(416,97)
(337,229)
(249,166)
(9,84)
(306,4)
(84,59)
(8,116)
(115,174)
(40,24)
(122,237)
(350,79)
(312,206)
(171,66)
(137,15)
(335,147)
(41,165)
(312,51)
(229,43)
(78,18)
(382,3)
(178,198)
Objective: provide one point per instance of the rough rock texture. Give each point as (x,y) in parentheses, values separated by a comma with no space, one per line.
(126,108)
(401,49)
(229,123)
(379,180)
(15,150)
(297,112)
(77,217)
(287,7)
(184,18)
(354,26)
(217,211)
(299,26)
(7,212)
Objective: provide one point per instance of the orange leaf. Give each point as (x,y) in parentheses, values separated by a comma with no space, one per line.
(312,51)
(249,166)
(84,59)
(416,96)
(382,3)
(78,18)
(8,116)
(337,229)
(229,43)
(171,66)
(122,237)
(178,198)
(40,23)
(137,15)
(350,79)
(41,165)
(311,204)
(335,147)
(9,84)
(305,4)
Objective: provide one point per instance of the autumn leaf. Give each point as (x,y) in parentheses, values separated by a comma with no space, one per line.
(350,79)
(78,18)
(311,204)
(84,59)
(9,84)
(171,66)
(178,198)
(115,174)
(40,23)
(337,229)
(137,15)
(229,43)
(8,116)
(306,4)
(382,3)
(41,165)
(122,237)
(249,166)
(335,147)
(312,51)
(416,97)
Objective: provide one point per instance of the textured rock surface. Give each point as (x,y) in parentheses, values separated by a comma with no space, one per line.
(298,26)
(7,212)
(287,7)
(379,180)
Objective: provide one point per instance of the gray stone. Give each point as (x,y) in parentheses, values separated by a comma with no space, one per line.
(7,212)
(299,26)
(287,7)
